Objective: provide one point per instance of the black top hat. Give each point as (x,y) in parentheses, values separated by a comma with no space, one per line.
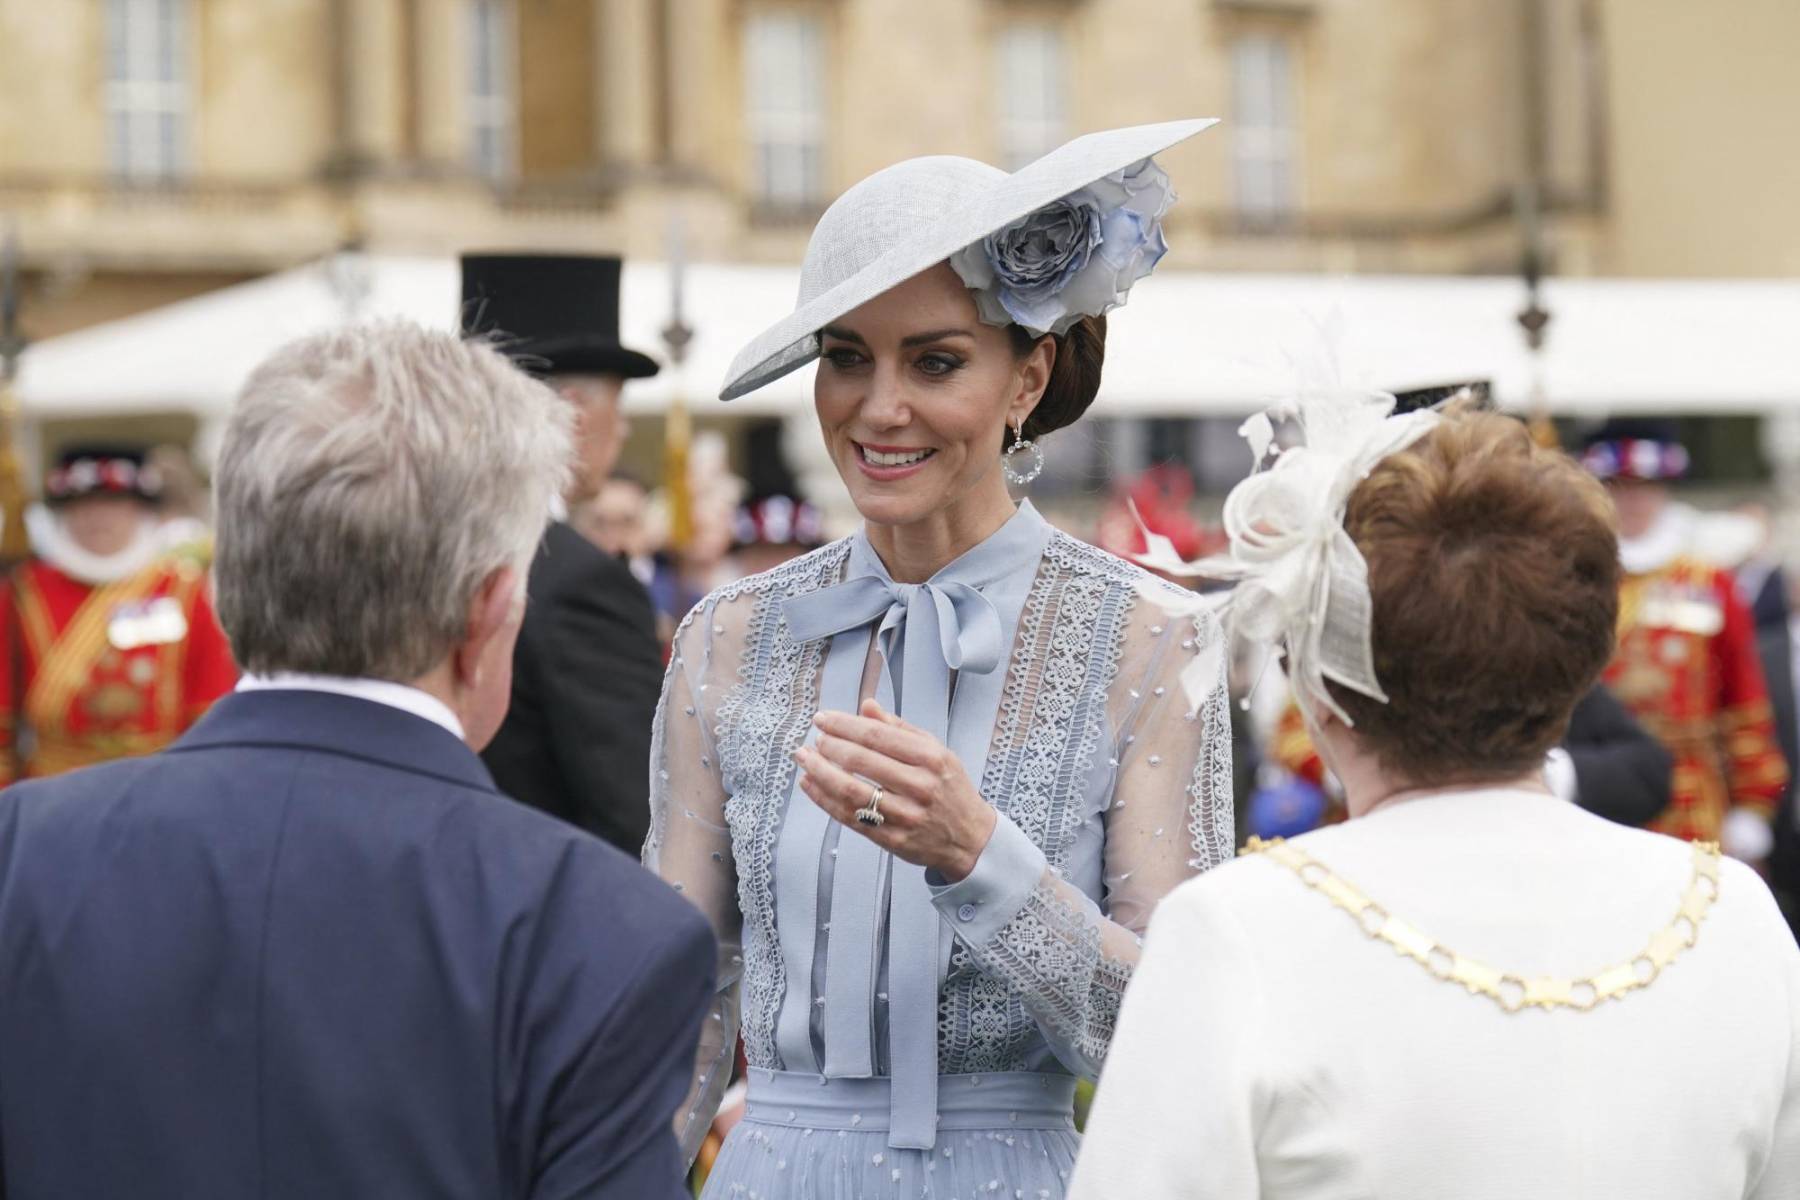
(1480,392)
(557,314)
(84,471)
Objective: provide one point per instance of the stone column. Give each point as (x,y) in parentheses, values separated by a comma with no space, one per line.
(626,81)
(372,65)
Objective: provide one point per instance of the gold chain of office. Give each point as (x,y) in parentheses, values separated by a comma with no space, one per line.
(1513,993)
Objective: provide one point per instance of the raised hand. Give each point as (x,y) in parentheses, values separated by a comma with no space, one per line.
(931,814)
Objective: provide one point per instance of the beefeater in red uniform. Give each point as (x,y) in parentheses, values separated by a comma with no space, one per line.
(110,642)
(1687,662)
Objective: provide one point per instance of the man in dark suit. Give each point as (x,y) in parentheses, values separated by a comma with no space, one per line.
(310,950)
(1763,586)
(589,667)
(1616,767)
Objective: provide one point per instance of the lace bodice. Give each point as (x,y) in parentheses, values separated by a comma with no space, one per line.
(1110,788)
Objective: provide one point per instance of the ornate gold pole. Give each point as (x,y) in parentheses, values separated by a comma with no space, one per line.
(14,546)
(1529,208)
(677,427)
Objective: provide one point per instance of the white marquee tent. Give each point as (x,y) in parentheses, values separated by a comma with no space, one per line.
(1189,344)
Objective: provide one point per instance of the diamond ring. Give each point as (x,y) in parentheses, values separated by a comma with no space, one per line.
(871,814)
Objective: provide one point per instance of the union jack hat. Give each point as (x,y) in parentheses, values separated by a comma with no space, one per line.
(779,521)
(1649,451)
(85,471)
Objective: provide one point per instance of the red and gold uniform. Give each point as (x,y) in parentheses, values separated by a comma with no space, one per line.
(1291,747)
(1687,666)
(1687,663)
(109,671)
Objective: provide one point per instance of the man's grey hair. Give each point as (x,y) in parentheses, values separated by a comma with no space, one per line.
(371,479)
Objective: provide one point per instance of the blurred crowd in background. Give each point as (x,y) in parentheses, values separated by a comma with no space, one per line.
(1534,194)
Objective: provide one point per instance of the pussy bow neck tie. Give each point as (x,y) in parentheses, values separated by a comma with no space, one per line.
(927,633)
(934,628)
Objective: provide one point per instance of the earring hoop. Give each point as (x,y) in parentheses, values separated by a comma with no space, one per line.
(1022,445)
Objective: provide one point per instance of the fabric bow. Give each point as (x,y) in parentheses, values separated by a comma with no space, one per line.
(959,622)
(1301,583)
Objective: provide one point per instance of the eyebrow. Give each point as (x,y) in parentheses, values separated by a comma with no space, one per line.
(917,339)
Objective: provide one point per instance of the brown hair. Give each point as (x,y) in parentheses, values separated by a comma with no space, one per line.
(1074,379)
(1494,571)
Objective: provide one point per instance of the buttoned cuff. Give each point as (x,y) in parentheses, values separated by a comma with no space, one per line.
(1008,871)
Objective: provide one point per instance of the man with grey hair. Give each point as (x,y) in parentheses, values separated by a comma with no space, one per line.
(310,950)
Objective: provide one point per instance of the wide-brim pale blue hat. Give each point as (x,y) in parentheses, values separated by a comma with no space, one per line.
(911,216)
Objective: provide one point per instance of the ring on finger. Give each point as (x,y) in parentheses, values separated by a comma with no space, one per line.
(870,814)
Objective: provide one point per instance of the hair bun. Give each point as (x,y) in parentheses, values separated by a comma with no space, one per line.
(1074,379)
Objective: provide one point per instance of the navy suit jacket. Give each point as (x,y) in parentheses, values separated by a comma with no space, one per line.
(309,951)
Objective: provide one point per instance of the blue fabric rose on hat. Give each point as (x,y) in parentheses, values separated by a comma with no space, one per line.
(1075,257)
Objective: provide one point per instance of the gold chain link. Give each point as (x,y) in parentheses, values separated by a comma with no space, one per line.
(1511,992)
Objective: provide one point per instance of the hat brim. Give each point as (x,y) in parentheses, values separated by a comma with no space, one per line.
(793,341)
(577,356)
(63,500)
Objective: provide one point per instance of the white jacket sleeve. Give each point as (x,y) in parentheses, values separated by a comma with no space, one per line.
(1177,1111)
(1781,1177)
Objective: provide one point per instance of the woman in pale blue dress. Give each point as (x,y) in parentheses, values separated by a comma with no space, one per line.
(928,782)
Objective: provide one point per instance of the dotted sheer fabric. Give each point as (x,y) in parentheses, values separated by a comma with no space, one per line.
(1097,756)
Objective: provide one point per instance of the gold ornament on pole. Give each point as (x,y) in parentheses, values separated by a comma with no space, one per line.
(14,545)
(1529,202)
(677,427)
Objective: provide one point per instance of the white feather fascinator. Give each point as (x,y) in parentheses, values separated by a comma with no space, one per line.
(1299,582)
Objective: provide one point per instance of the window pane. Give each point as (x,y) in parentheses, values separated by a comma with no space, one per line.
(168,144)
(167,36)
(118,140)
(481,29)
(490,81)
(118,41)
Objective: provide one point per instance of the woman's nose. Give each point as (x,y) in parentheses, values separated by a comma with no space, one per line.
(885,405)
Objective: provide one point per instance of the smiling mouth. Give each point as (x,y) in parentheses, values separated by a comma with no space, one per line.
(895,458)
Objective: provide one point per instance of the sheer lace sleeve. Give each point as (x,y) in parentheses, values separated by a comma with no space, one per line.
(690,844)
(1168,816)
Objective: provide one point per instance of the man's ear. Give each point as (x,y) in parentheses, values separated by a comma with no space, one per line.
(491,611)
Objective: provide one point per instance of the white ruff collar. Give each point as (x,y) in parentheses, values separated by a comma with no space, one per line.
(52,543)
(1669,537)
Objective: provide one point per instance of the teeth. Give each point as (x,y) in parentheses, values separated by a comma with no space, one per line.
(905,459)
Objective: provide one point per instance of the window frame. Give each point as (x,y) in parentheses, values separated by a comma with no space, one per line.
(147,89)
(1025,137)
(493,50)
(786,144)
(1265,131)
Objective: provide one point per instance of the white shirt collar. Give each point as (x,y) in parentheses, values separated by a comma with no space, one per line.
(379,691)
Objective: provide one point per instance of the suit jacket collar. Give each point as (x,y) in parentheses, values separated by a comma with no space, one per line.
(337,724)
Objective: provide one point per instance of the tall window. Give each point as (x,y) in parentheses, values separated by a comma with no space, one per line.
(784,108)
(1264,140)
(491,88)
(1033,78)
(147,86)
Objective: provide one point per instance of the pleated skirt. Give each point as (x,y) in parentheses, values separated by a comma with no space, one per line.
(804,1137)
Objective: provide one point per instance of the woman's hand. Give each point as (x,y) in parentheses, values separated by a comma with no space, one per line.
(935,817)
